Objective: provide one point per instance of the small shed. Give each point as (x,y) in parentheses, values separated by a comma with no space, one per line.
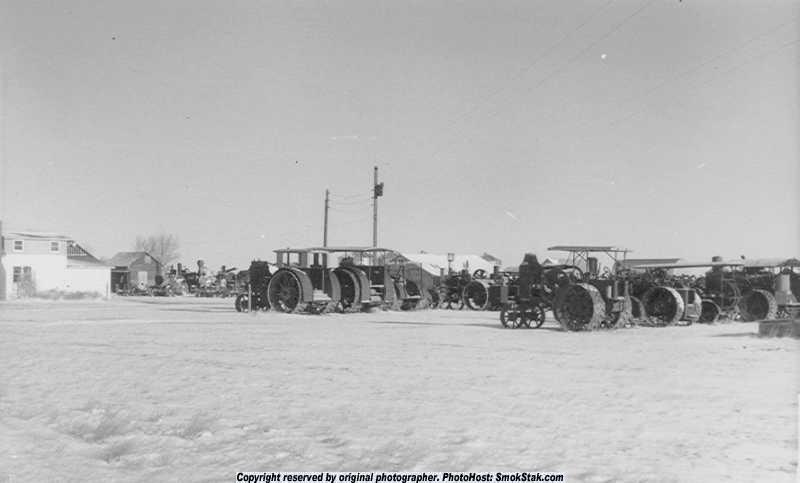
(132,269)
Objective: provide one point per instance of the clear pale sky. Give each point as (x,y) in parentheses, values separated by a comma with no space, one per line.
(669,127)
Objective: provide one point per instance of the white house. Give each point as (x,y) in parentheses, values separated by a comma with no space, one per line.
(32,263)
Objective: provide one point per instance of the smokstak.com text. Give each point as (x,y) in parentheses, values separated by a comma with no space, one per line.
(393,477)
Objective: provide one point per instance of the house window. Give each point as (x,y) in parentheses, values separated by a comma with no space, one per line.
(22,274)
(53,246)
(18,245)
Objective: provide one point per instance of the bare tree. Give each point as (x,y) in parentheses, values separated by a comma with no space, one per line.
(163,246)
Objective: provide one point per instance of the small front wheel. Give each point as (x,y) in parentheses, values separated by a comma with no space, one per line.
(242,303)
(533,316)
(510,317)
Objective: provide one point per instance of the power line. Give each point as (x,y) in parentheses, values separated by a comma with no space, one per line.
(351,222)
(643,109)
(735,68)
(354,195)
(761,56)
(577,56)
(363,200)
(687,72)
(525,69)
(339,210)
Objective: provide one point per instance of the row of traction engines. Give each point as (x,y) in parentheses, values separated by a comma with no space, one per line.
(325,279)
(582,298)
(745,290)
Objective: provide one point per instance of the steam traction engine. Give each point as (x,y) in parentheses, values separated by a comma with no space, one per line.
(370,279)
(252,287)
(660,298)
(667,299)
(309,280)
(451,295)
(303,283)
(526,298)
(579,297)
(484,291)
(601,299)
(770,288)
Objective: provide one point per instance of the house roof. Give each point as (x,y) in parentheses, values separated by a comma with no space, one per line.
(125,259)
(35,235)
(77,256)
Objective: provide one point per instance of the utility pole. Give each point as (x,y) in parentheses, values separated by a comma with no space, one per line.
(325,226)
(377,191)
(375,209)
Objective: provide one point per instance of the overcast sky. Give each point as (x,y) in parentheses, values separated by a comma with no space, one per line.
(669,127)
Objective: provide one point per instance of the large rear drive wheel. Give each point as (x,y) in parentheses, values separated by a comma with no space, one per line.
(710,312)
(285,292)
(758,305)
(476,295)
(579,307)
(350,291)
(663,306)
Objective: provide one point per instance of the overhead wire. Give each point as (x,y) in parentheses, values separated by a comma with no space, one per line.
(352,202)
(724,74)
(734,68)
(339,210)
(526,69)
(643,109)
(352,222)
(688,72)
(558,70)
(349,196)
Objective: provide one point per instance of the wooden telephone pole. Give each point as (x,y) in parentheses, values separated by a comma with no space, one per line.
(325,225)
(377,192)
(375,208)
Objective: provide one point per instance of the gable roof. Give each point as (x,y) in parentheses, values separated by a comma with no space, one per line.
(77,256)
(35,235)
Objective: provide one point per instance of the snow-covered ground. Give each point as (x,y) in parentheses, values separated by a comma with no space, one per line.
(169,389)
